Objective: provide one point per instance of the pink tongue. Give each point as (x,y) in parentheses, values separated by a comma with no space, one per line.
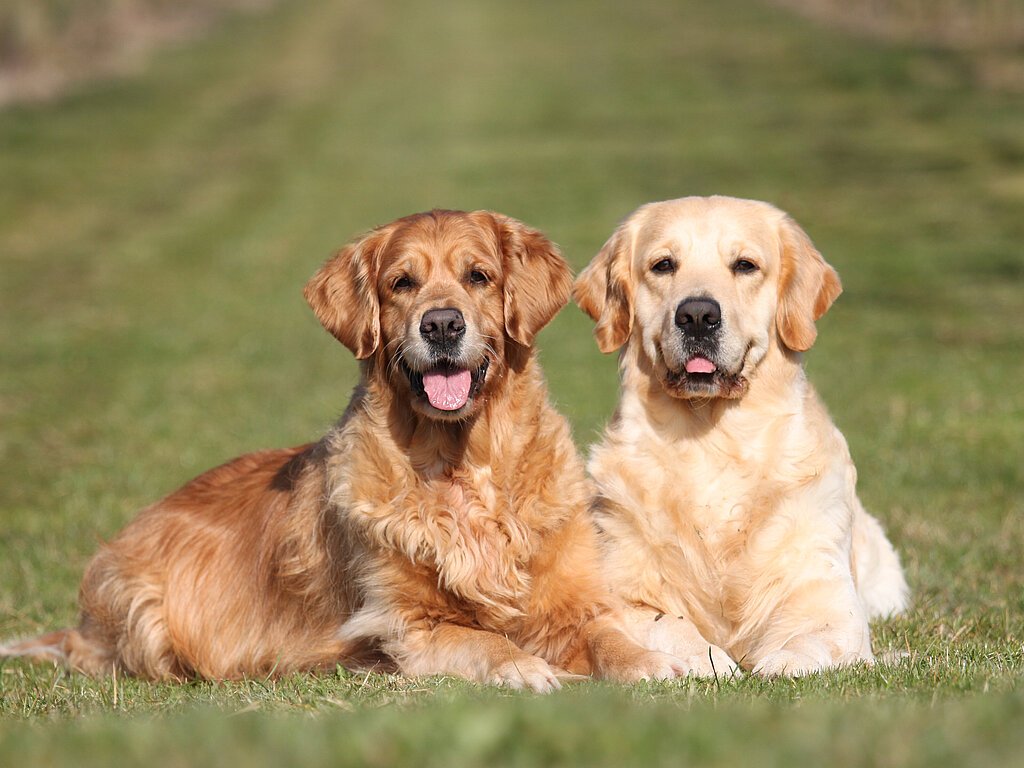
(447,391)
(700,365)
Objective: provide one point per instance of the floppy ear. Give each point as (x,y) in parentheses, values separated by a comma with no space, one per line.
(604,290)
(343,293)
(807,288)
(537,279)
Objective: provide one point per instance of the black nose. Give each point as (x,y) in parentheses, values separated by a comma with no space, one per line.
(442,326)
(698,317)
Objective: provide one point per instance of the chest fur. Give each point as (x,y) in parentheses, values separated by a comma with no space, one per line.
(712,513)
(465,531)
(699,505)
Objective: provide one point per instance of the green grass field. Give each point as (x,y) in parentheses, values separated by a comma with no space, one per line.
(155,234)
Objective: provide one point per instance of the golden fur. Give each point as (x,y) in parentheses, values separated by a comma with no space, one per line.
(425,540)
(727,499)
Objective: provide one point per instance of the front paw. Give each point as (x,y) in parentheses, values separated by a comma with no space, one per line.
(647,665)
(679,637)
(713,662)
(525,672)
(803,655)
(789,663)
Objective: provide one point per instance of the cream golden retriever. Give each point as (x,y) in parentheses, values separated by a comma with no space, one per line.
(725,494)
(440,528)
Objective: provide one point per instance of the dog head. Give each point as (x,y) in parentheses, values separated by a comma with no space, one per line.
(707,286)
(443,303)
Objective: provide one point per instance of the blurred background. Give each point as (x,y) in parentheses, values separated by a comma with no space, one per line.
(172,171)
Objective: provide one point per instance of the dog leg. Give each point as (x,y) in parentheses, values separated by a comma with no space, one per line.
(474,654)
(820,626)
(616,656)
(805,654)
(679,637)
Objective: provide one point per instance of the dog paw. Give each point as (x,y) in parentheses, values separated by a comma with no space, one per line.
(525,673)
(783,663)
(679,637)
(806,654)
(713,662)
(648,665)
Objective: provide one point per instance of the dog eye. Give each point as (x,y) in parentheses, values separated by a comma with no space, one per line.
(743,266)
(476,277)
(402,283)
(664,267)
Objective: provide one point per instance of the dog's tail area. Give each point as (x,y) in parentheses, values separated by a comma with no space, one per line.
(881,585)
(53,646)
(76,649)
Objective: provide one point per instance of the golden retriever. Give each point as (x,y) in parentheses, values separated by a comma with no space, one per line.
(725,494)
(441,527)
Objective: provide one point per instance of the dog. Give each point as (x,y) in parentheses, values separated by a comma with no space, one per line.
(725,495)
(441,527)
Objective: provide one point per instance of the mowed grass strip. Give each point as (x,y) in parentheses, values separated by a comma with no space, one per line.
(155,233)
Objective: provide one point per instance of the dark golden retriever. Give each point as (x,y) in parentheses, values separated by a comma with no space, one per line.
(440,528)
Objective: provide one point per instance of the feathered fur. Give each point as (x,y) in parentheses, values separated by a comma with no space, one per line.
(425,542)
(727,500)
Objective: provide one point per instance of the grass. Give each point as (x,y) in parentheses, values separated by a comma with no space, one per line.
(963,24)
(155,232)
(599,726)
(988,34)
